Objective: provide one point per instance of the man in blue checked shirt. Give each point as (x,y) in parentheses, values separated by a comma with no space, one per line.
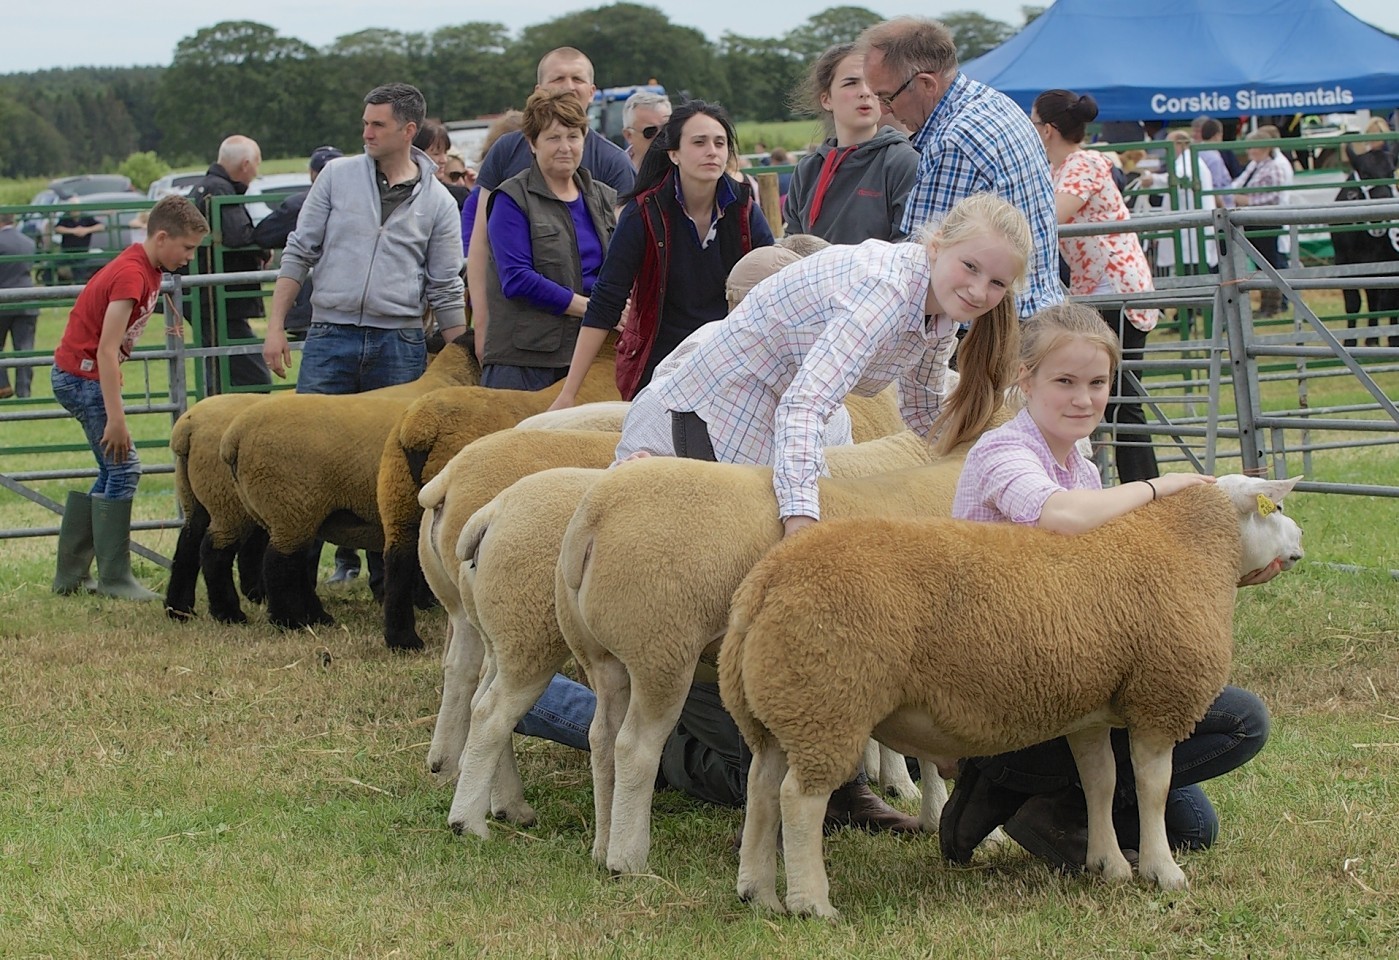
(973,139)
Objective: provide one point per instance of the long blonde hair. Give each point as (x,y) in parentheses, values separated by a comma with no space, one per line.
(989,356)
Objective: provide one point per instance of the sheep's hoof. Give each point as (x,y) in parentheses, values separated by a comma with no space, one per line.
(404,641)
(229,616)
(522,815)
(257,594)
(1167,876)
(179,615)
(765,899)
(816,908)
(1112,869)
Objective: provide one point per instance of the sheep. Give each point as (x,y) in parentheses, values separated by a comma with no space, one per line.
(878,416)
(509,549)
(605,415)
(429,434)
(217,527)
(950,638)
(306,466)
(524,647)
(645,573)
(469,481)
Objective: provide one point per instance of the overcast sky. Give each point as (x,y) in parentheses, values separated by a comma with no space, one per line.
(139,32)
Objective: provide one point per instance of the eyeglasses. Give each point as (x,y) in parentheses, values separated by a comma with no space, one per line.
(889,100)
(647,133)
(457,176)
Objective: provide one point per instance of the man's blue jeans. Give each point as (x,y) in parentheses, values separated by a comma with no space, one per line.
(341,358)
(83,399)
(563,713)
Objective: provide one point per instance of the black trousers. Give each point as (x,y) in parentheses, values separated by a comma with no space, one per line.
(1134,455)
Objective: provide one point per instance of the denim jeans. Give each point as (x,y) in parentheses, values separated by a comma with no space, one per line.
(503,376)
(340,358)
(563,713)
(83,399)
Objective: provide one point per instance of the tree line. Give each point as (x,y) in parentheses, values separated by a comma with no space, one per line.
(245,77)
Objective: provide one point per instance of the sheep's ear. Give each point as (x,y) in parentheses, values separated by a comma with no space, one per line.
(1274,491)
(1255,495)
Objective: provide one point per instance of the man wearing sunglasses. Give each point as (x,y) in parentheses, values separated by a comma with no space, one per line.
(973,140)
(643,116)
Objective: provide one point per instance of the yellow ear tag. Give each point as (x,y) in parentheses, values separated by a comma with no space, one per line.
(1265,506)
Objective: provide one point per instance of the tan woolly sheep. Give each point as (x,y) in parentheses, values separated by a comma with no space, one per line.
(646,571)
(508,551)
(469,481)
(419,445)
(217,527)
(950,638)
(306,466)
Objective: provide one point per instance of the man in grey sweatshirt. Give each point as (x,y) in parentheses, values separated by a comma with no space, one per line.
(384,237)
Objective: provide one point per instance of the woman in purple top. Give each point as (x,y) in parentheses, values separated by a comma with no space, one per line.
(548,228)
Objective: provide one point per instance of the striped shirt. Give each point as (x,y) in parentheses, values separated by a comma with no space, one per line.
(846,320)
(1010,473)
(977,140)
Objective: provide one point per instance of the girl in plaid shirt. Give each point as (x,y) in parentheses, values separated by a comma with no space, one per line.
(854,319)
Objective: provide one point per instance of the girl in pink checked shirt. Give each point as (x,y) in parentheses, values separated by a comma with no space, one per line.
(854,319)
(1029,471)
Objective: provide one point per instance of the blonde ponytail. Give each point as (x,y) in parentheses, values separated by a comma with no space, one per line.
(988,359)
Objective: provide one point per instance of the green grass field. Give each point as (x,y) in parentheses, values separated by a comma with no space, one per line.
(195,790)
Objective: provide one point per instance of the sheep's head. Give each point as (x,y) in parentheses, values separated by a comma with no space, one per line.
(1266,532)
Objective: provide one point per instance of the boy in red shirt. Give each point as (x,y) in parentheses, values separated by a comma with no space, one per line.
(106,321)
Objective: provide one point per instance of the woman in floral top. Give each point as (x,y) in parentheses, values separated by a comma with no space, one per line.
(1084,192)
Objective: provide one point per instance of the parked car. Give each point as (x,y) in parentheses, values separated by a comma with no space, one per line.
(272,189)
(175,183)
(85,184)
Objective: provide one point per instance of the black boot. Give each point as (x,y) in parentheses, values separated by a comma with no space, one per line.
(1054,827)
(855,805)
(977,806)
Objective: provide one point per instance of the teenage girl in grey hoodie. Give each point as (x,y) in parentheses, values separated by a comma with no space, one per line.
(853,187)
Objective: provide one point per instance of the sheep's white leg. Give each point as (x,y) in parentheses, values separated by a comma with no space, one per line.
(460,675)
(1097,770)
(493,719)
(612,686)
(508,791)
(651,716)
(1151,763)
(757,857)
(934,795)
(871,760)
(893,773)
(808,889)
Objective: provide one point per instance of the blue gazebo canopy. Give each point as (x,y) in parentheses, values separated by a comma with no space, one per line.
(1192,57)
